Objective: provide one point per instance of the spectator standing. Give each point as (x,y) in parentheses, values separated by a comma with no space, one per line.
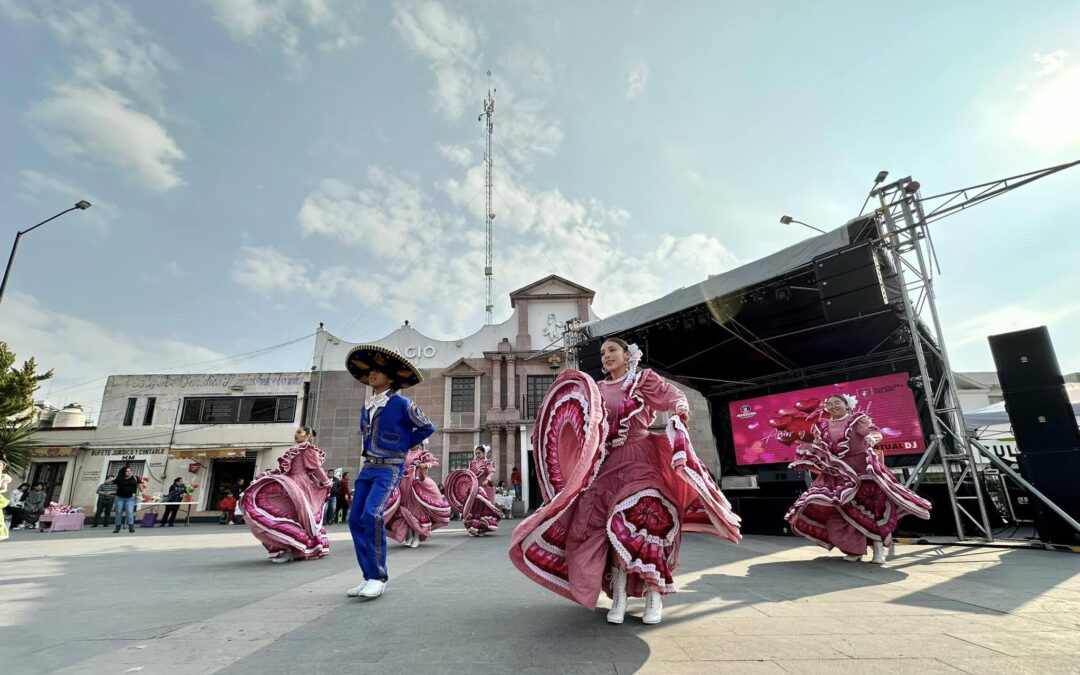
(344,497)
(515,482)
(331,502)
(124,502)
(106,496)
(176,494)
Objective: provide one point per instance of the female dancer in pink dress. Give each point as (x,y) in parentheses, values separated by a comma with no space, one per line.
(854,498)
(417,507)
(284,506)
(471,493)
(616,497)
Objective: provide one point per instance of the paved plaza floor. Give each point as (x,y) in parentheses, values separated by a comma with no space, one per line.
(204,599)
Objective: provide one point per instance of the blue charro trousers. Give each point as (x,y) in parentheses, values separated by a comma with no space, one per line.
(372,491)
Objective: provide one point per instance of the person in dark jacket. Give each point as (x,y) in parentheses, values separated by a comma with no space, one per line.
(124,503)
(330,517)
(176,493)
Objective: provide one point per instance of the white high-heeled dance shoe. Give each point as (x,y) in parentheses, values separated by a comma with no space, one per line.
(852,558)
(618,596)
(879,553)
(653,607)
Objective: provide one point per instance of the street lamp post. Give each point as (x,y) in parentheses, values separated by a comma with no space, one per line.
(81,205)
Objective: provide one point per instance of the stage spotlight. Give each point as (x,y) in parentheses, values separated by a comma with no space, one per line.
(688,323)
(912,187)
(702,319)
(783,294)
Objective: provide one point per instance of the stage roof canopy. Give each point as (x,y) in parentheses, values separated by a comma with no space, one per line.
(760,324)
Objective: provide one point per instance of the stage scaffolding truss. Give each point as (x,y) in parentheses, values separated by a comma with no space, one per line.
(898,229)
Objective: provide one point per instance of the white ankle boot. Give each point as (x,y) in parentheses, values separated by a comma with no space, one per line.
(618,596)
(879,553)
(653,607)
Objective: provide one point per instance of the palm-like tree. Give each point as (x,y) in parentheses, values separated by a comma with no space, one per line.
(15,444)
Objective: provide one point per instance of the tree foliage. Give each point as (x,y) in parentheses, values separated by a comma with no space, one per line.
(17,387)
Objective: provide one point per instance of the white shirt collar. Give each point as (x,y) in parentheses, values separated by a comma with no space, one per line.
(378,400)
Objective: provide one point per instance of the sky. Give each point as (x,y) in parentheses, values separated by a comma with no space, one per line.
(260,166)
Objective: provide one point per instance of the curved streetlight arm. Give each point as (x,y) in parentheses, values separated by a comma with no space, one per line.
(82,205)
(73,208)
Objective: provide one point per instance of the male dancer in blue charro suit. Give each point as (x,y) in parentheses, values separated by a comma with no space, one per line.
(391,425)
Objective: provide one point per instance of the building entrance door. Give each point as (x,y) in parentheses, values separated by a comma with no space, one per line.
(51,476)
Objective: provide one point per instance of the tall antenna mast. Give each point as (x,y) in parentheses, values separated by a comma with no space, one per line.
(489,113)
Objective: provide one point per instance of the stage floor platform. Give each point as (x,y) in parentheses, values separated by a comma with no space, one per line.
(204,599)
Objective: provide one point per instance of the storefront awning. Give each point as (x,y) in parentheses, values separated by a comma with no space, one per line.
(208,453)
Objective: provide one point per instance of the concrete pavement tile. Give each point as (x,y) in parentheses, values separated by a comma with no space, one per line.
(701,668)
(914,625)
(818,625)
(863,666)
(1048,643)
(930,645)
(756,648)
(1026,665)
(1061,619)
(846,609)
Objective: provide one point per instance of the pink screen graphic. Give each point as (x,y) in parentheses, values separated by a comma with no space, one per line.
(766,429)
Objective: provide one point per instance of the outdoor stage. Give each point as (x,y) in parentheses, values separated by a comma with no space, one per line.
(204,599)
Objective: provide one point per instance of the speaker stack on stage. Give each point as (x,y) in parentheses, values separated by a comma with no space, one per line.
(850,283)
(1044,427)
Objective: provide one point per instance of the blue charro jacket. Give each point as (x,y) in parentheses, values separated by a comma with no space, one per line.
(397,427)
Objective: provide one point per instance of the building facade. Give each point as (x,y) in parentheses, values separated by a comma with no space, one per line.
(208,429)
(483,389)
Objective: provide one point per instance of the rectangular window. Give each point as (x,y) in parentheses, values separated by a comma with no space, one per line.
(148,416)
(459,460)
(129,414)
(192,411)
(536,387)
(138,469)
(239,410)
(463,394)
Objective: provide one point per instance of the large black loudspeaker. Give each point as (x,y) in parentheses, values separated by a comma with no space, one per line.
(850,283)
(1044,426)
(1056,475)
(1034,390)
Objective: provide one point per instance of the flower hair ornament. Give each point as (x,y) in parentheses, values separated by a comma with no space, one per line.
(632,360)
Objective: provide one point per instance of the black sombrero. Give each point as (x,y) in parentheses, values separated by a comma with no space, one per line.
(363,358)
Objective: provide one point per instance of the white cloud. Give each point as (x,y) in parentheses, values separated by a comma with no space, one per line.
(391,218)
(108,45)
(637,81)
(87,117)
(273,274)
(36,184)
(451,44)
(100,125)
(331,25)
(448,41)
(1050,63)
(699,252)
(175,269)
(1049,109)
(1005,319)
(458,154)
(80,350)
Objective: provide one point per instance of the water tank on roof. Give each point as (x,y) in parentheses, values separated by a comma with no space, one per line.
(71,416)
